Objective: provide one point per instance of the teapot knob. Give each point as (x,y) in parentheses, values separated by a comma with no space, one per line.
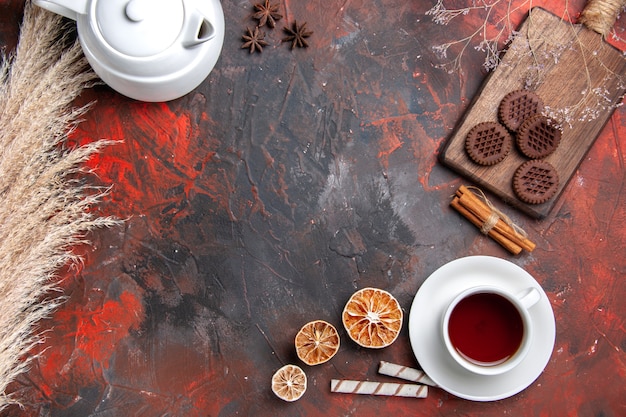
(137,10)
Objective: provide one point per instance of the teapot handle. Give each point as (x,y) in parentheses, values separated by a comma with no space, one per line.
(68,8)
(198,30)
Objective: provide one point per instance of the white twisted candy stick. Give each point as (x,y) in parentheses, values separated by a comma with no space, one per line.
(378,388)
(404,372)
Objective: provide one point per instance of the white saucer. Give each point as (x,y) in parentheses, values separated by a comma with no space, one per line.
(425,328)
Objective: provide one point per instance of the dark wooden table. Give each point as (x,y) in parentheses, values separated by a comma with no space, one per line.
(286,181)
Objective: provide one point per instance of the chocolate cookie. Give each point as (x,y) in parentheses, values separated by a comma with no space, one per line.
(488,143)
(535,182)
(517,106)
(538,137)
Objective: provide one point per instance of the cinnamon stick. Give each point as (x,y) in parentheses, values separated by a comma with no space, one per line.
(478,213)
(471,202)
(506,243)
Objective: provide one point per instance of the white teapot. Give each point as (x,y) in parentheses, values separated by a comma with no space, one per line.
(149,50)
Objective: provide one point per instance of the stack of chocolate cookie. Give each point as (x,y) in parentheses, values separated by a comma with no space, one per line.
(536,137)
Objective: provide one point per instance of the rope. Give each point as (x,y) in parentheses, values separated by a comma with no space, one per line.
(600,15)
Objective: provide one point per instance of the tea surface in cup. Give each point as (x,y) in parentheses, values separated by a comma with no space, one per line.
(486,328)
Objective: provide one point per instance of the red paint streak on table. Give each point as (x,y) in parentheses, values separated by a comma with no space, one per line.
(239,199)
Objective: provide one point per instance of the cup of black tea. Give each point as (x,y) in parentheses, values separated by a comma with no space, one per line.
(488,330)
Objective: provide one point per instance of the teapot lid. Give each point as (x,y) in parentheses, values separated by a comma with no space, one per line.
(139,28)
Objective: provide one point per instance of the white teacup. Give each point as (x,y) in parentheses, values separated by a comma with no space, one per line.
(488,330)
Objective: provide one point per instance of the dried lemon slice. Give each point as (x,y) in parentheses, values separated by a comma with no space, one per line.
(317,342)
(289,383)
(373,318)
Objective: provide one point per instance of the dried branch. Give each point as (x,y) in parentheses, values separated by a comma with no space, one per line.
(46,201)
(501,32)
(490,45)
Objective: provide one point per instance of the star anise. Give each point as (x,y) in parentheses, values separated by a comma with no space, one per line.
(296,35)
(267,13)
(254,39)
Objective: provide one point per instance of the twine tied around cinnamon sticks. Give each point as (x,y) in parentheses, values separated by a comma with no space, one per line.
(472,204)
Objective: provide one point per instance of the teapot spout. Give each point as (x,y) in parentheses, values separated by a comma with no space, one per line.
(198,30)
(68,8)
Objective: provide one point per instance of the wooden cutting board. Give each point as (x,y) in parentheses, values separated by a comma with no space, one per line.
(550,55)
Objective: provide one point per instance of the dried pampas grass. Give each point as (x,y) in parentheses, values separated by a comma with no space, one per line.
(45,200)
